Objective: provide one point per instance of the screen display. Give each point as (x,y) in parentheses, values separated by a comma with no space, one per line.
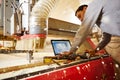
(60,46)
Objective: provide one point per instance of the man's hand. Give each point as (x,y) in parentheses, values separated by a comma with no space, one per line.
(65,53)
(88,53)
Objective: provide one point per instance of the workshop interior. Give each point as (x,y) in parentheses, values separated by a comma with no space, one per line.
(33,33)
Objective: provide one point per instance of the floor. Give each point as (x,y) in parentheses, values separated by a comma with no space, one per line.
(15,59)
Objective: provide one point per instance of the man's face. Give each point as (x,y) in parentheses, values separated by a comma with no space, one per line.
(80,14)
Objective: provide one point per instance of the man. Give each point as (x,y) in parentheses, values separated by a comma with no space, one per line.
(105,14)
(80,12)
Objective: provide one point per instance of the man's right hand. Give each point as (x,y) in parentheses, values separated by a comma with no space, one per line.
(65,53)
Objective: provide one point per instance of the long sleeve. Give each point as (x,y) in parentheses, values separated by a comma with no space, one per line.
(89,20)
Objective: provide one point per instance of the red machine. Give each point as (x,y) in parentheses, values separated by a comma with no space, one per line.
(95,68)
(98,69)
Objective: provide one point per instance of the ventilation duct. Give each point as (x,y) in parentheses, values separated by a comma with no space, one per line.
(39,16)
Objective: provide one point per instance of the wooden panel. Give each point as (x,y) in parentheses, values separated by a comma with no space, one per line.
(62,25)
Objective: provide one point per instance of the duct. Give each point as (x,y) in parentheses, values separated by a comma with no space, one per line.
(39,16)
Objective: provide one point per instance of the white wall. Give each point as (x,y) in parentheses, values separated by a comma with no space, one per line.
(1,18)
(26,13)
(65,10)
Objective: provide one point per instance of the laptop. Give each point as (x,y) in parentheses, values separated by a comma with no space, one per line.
(60,46)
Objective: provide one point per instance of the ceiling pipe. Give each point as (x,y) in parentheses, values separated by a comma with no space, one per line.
(39,16)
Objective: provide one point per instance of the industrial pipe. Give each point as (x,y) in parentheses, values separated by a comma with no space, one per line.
(39,16)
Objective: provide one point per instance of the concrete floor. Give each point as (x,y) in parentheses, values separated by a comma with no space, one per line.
(15,59)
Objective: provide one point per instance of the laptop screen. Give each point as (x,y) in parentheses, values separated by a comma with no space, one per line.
(60,46)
